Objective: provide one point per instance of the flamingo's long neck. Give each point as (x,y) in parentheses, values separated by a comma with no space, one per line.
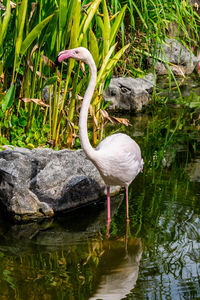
(85,144)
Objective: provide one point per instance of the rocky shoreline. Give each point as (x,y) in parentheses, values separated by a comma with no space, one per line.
(39,183)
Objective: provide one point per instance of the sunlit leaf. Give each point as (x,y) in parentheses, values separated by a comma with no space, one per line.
(93,47)
(106,31)
(116,25)
(9,98)
(63,13)
(88,18)
(33,34)
(21,22)
(105,62)
(4,26)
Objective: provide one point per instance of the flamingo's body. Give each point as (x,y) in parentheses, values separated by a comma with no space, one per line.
(117,157)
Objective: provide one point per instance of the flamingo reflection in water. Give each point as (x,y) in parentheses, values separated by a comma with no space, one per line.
(120,268)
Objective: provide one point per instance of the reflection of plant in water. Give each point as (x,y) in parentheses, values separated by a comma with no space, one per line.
(166,135)
(164,213)
(69,270)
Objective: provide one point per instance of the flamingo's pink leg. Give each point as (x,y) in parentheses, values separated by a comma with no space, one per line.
(127,214)
(108,203)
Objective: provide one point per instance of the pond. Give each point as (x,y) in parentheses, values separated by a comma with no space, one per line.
(155,256)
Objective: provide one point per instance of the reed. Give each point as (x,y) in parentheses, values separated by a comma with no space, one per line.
(31,36)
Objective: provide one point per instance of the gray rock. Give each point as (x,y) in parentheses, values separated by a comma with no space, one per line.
(68,229)
(126,93)
(181,61)
(193,170)
(38,183)
(45,95)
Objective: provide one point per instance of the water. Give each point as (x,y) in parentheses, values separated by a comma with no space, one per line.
(155,256)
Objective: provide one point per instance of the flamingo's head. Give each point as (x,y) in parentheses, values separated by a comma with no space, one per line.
(79,53)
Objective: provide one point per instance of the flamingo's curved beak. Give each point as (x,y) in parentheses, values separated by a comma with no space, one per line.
(64,55)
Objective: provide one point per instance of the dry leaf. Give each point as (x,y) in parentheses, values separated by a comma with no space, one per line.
(48,62)
(33,6)
(114,120)
(70,137)
(78,97)
(112,17)
(85,7)
(2,7)
(30,63)
(51,142)
(82,66)
(2,78)
(93,116)
(37,101)
(12,4)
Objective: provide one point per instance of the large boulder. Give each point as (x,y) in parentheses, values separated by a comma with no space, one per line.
(180,60)
(127,93)
(38,183)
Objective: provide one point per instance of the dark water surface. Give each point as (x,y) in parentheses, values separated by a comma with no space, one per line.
(155,256)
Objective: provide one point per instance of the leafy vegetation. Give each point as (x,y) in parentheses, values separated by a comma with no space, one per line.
(39,103)
(148,23)
(33,33)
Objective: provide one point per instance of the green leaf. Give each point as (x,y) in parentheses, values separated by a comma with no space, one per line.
(112,62)
(104,64)
(30,146)
(4,26)
(140,15)
(4,141)
(84,42)
(1,67)
(75,26)
(93,47)
(7,124)
(22,121)
(116,25)
(51,80)
(106,31)
(9,98)
(21,22)
(100,23)
(33,34)
(88,18)
(116,58)
(70,15)
(63,13)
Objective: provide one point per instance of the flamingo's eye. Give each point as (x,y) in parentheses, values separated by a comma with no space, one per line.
(76,51)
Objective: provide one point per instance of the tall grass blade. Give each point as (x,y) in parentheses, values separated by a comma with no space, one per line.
(93,47)
(88,18)
(63,13)
(104,64)
(22,17)
(140,15)
(106,31)
(33,34)
(116,25)
(4,26)
(115,59)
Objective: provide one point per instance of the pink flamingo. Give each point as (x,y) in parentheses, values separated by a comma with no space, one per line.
(117,157)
